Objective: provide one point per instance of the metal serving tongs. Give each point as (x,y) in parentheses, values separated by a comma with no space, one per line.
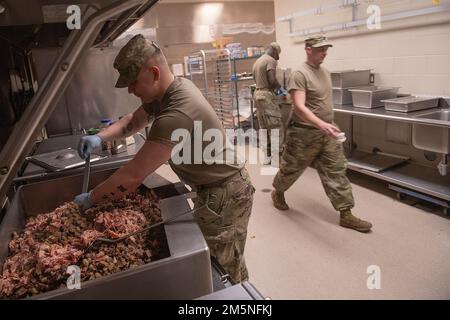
(87,172)
(112,241)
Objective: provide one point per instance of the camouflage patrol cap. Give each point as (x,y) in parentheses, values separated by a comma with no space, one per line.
(317,41)
(276,46)
(131,58)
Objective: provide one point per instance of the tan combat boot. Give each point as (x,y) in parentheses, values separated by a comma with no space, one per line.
(348,220)
(278,200)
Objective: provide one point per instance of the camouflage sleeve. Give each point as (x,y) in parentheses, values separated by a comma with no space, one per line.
(164,128)
(297,81)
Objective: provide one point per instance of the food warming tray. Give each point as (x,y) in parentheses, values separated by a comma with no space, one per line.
(411,103)
(185,273)
(62,159)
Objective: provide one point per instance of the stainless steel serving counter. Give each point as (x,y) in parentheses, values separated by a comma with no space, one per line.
(426,182)
(381,113)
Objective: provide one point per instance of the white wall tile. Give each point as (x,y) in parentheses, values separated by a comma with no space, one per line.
(393,80)
(381,65)
(436,44)
(410,65)
(415,56)
(429,84)
(438,64)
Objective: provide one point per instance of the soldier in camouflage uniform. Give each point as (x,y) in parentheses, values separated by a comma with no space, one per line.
(224,221)
(268,110)
(225,192)
(311,137)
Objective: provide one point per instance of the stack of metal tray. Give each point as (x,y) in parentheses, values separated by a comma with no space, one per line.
(350,78)
(342,96)
(343,81)
(409,104)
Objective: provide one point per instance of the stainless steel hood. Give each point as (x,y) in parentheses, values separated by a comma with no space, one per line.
(102,22)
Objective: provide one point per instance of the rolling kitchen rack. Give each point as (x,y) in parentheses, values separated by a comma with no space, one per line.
(211,71)
(214,72)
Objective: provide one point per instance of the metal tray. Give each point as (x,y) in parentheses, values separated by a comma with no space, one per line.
(184,274)
(371,96)
(62,159)
(350,78)
(342,96)
(411,103)
(378,161)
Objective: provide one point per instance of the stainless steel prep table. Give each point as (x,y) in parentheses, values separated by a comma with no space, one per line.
(412,176)
(381,113)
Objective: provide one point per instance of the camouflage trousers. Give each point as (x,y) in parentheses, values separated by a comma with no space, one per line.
(309,146)
(269,115)
(224,221)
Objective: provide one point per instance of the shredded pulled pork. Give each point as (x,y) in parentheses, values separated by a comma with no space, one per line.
(118,225)
(50,242)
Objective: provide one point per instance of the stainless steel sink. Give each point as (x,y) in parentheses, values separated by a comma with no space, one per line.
(443,115)
(432,138)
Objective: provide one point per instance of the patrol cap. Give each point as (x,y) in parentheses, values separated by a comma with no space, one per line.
(131,58)
(276,46)
(317,41)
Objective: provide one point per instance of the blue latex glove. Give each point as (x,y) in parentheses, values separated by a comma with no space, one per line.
(281,92)
(87,144)
(84,200)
